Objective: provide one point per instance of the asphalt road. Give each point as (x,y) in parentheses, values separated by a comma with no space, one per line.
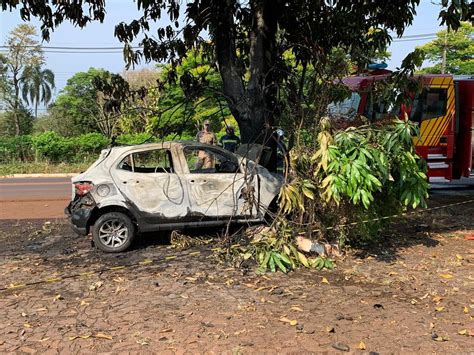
(29,198)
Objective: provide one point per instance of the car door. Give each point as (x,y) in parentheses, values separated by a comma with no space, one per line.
(217,186)
(148,180)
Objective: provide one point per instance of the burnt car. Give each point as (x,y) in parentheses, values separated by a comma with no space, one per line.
(163,186)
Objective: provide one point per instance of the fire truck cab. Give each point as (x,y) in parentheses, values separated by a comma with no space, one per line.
(444,110)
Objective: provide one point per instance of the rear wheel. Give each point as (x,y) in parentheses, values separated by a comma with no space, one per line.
(113,232)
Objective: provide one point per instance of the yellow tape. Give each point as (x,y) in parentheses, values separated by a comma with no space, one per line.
(87,273)
(194,253)
(171,257)
(146,262)
(11,286)
(117,267)
(394,216)
(53,279)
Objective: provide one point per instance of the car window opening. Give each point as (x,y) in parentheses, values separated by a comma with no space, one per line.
(148,162)
(209,161)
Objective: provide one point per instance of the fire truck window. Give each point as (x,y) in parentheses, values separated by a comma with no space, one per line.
(416,109)
(377,109)
(347,108)
(434,103)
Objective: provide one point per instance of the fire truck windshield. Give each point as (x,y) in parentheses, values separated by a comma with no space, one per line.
(347,108)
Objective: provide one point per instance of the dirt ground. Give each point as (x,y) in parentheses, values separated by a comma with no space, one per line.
(412,293)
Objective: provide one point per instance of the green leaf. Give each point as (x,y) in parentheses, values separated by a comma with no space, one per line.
(264,265)
(278,262)
(271,263)
(284,258)
(329,264)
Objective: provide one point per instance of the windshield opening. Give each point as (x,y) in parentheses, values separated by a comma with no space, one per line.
(345,108)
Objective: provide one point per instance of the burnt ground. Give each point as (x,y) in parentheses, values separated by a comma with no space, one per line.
(412,292)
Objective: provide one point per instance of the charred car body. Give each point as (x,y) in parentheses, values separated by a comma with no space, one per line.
(162,186)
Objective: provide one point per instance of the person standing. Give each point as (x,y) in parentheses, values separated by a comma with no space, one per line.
(205,136)
(230,141)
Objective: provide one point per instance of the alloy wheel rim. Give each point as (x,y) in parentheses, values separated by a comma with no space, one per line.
(113,233)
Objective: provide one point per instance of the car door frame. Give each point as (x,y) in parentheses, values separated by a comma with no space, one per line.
(169,211)
(212,212)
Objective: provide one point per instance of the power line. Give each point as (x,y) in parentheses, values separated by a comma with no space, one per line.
(74,52)
(413,39)
(70,48)
(79,49)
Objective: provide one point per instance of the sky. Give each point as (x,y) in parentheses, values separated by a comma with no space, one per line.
(64,65)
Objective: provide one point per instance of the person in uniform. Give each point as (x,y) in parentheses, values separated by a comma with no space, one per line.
(230,141)
(281,151)
(205,159)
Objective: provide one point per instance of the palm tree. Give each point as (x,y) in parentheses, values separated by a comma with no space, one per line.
(37,86)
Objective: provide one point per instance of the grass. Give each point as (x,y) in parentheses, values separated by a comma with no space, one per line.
(42,168)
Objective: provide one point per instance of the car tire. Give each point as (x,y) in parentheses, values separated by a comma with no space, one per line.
(113,232)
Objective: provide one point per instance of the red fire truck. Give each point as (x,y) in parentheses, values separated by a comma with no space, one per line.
(444,110)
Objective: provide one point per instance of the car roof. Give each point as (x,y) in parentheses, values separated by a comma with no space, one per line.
(118,150)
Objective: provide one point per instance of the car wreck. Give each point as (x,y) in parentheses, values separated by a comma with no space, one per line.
(163,186)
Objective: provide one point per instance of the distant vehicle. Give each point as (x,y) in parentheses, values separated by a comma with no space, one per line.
(159,186)
(444,111)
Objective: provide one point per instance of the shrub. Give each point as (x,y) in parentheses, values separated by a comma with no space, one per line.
(339,189)
(131,139)
(53,147)
(89,144)
(15,149)
(354,175)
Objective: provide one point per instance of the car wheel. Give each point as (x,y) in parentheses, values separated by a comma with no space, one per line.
(113,232)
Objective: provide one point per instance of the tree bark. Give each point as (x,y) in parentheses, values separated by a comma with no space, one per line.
(253,106)
(16,103)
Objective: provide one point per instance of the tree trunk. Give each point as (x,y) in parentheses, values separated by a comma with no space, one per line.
(253,106)
(16,104)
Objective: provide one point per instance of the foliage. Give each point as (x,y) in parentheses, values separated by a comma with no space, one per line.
(77,105)
(344,176)
(44,167)
(15,148)
(58,121)
(247,39)
(90,143)
(37,86)
(193,98)
(274,249)
(353,173)
(52,146)
(113,95)
(459,47)
(24,52)
(131,139)
(141,109)
(8,121)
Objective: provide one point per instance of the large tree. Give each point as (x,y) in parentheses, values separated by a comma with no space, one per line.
(76,104)
(451,52)
(248,39)
(24,51)
(37,86)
